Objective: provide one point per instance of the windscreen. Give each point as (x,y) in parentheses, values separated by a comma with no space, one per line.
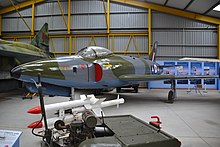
(94,51)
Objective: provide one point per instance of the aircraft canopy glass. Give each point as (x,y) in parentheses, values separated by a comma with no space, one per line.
(93,52)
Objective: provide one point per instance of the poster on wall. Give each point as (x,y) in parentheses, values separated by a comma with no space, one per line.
(169,70)
(196,69)
(209,69)
(182,69)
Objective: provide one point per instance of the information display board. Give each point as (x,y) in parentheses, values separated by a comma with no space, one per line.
(9,138)
(188,68)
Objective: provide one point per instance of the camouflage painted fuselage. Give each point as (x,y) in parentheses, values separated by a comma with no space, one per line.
(83,72)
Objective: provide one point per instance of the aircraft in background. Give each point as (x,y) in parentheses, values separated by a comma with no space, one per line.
(24,52)
(95,68)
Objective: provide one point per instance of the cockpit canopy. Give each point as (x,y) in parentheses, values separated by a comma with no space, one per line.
(93,52)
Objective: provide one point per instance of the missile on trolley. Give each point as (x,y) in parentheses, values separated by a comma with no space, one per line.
(90,99)
(89,103)
(100,105)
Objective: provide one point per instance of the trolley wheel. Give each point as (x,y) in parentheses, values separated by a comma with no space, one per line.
(58,125)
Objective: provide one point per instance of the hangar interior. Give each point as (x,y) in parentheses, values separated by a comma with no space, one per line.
(126,29)
(189,28)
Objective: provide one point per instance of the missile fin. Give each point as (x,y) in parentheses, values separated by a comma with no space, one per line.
(98,111)
(83,97)
(99,101)
(92,99)
(118,99)
(88,106)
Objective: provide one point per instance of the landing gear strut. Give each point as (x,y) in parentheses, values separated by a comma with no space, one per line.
(136,89)
(172,92)
(118,89)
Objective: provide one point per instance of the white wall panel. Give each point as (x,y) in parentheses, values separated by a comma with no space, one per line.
(129,20)
(87,6)
(15,24)
(58,44)
(88,21)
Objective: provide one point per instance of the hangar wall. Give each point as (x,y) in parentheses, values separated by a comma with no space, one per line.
(177,36)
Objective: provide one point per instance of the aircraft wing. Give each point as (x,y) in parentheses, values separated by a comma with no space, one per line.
(25,52)
(138,78)
(20,51)
(200,59)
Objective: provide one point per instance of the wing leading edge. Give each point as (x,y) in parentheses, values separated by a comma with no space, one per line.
(24,52)
(137,78)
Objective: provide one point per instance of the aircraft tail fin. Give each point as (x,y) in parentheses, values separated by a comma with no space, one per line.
(41,40)
(153,53)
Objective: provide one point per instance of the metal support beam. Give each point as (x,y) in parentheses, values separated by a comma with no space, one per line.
(20,15)
(92,39)
(82,35)
(69,16)
(52,45)
(218,42)
(113,44)
(64,43)
(108,42)
(165,2)
(61,10)
(75,47)
(187,6)
(105,12)
(149,31)
(32,19)
(70,45)
(108,16)
(19,6)
(107,19)
(169,10)
(136,46)
(108,24)
(127,46)
(0,25)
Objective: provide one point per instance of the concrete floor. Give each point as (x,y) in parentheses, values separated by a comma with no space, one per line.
(193,118)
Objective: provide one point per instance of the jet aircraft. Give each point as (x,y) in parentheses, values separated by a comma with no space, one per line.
(94,67)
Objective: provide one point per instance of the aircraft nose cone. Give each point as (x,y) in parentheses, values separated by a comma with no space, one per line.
(16,72)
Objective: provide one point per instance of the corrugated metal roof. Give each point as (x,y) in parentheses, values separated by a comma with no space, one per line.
(203,7)
(7,3)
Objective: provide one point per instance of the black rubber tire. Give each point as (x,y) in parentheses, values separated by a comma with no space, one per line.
(136,89)
(58,123)
(171,96)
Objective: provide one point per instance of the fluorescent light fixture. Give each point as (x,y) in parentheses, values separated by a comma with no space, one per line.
(217,8)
